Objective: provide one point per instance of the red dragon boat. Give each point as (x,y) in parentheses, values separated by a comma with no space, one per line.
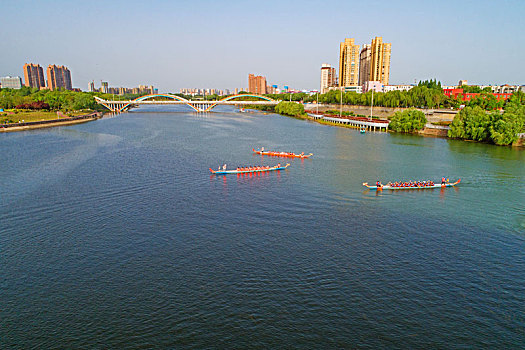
(282,154)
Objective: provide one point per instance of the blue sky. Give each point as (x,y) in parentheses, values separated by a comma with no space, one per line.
(216,44)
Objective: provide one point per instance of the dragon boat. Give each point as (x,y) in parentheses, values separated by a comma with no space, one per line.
(248,170)
(388,187)
(282,154)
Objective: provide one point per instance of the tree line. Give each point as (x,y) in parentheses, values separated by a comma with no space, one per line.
(427,94)
(64,100)
(474,123)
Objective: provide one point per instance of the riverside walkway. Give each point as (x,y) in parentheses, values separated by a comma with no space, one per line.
(357,122)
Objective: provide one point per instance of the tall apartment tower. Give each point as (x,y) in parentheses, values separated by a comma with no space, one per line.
(348,63)
(364,64)
(34,76)
(104,87)
(380,60)
(257,84)
(328,77)
(58,77)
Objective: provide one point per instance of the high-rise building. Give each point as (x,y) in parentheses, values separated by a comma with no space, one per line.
(58,77)
(11,82)
(374,62)
(91,87)
(348,63)
(364,64)
(380,61)
(34,76)
(104,87)
(328,77)
(257,84)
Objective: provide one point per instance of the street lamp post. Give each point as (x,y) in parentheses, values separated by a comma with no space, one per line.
(341,103)
(372,104)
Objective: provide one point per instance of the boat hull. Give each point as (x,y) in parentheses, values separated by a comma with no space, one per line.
(375,188)
(227,172)
(284,155)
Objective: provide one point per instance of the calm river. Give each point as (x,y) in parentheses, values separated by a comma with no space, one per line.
(113,234)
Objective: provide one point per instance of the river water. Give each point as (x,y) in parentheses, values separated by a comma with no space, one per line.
(113,234)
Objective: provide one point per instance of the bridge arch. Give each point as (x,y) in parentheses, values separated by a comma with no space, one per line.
(238,96)
(198,106)
(173,97)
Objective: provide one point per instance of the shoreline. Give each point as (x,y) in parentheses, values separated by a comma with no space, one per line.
(426,132)
(50,123)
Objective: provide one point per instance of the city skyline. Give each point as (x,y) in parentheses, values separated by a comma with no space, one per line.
(447,41)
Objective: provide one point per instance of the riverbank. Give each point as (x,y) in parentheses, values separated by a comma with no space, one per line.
(435,128)
(50,123)
(432,115)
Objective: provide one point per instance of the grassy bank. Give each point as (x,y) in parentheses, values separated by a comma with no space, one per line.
(16,115)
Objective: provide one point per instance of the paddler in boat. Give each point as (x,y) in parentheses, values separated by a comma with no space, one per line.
(224,167)
(379,184)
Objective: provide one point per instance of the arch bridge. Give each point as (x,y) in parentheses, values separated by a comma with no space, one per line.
(197,105)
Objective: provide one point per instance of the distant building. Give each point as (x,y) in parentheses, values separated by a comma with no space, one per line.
(356,88)
(91,87)
(34,76)
(257,84)
(505,89)
(147,89)
(104,87)
(458,93)
(11,82)
(328,77)
(388,88)
(58,77)
(348,63)
(463,82)
(377,86)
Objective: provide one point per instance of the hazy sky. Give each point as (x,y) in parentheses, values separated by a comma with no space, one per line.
(215,44)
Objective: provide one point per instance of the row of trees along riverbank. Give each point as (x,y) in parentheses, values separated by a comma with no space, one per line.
(64,100)
(427,94)
(474,123)
(471,123)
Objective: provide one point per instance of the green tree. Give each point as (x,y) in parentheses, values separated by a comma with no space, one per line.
(471,123)
(407,121)
(290,108)
(505,127)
